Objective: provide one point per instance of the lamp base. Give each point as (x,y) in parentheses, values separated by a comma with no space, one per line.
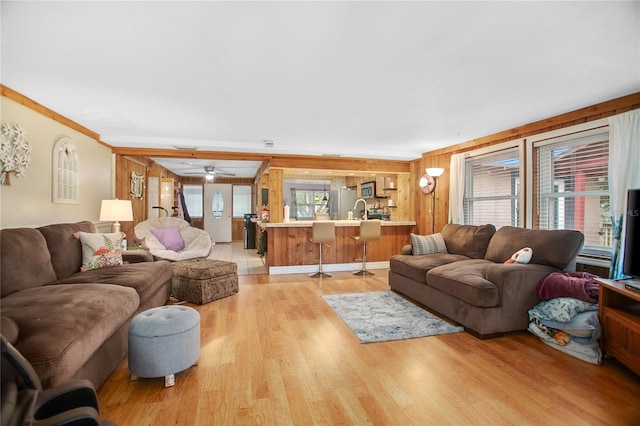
(115,227)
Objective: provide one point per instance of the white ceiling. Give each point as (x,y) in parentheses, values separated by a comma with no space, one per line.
(357,79)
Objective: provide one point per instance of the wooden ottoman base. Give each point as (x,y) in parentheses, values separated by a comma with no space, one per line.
(204,280)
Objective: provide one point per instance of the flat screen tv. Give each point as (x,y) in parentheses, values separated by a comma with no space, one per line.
(631,253)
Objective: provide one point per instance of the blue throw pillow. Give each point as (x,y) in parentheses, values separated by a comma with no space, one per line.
(585,324)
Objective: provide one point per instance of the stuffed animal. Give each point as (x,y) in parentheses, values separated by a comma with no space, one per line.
(521,256)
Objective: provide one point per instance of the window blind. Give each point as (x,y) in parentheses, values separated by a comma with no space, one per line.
(573,188)
(492,188)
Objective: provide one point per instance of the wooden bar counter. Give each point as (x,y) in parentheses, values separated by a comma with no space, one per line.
(290,251)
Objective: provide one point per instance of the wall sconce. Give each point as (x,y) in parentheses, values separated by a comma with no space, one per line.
(427,184)
(116,210)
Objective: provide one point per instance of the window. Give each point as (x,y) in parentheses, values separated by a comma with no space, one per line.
(573,187)
(241,200)
(66,181)
(308,201)
(193,199)
(492,189)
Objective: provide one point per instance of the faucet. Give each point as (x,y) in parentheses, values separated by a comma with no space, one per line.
(365,206)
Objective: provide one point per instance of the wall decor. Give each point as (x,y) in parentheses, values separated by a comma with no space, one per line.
(137,185)
(65,172)
(15,152)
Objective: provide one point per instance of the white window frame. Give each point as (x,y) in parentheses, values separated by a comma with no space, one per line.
(518,144)
(556,136)
(66,173)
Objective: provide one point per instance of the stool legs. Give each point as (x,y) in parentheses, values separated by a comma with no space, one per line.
(320,272)
(363,272)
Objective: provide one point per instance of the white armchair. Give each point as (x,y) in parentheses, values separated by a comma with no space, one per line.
(197,243)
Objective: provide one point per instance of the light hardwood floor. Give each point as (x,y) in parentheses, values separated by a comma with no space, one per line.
(276,354)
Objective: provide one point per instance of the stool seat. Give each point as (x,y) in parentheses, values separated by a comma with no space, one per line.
(323,232)
(369,231)
(164,341)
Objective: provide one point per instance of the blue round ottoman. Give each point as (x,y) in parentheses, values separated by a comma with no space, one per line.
(164,341)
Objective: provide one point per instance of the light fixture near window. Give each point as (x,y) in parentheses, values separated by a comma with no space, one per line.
(427,184)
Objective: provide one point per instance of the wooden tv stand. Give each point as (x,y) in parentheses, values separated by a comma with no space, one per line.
(620,321)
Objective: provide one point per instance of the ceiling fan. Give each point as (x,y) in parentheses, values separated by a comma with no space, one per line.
(210,171)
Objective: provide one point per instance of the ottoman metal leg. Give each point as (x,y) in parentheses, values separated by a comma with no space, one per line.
(169,380)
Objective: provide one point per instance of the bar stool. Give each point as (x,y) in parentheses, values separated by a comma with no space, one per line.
(324,232)
(369,231)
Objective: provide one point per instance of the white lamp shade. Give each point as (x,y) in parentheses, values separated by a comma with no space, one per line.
(434,171)
(116,210)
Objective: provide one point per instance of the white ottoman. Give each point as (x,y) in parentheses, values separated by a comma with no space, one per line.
(164,341)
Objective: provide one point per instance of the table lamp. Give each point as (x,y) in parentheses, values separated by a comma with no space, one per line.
(116,210)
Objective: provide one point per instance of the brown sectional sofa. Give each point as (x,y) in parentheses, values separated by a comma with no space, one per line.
(471,284)
(70,324)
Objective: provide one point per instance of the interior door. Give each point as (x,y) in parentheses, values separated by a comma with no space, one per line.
(217,211)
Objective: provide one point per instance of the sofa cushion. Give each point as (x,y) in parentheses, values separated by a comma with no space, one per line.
(66,251)
(77,325)
(416,267)
(466,280)
(557,248)
(469,240)
(25,260)
(144,277)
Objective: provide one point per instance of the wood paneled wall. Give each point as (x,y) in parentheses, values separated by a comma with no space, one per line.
(442,157)
(276,195)
(125,165)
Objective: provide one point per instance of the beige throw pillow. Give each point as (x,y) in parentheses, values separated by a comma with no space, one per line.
(427,244)
(100,250)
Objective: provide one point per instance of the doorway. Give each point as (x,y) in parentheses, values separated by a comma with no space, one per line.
(217,211)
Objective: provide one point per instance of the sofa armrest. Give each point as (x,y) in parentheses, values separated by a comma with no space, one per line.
(137,256)
(10,329)
(407,249)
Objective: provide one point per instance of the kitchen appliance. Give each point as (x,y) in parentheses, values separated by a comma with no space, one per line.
(368,189)
(250,230)
(377,213)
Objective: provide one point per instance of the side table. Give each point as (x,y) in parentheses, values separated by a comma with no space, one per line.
(619,311)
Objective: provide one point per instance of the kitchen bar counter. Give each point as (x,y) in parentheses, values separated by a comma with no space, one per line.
(309,223)
(290,251)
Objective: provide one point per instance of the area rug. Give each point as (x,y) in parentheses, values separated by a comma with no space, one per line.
(380,316)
